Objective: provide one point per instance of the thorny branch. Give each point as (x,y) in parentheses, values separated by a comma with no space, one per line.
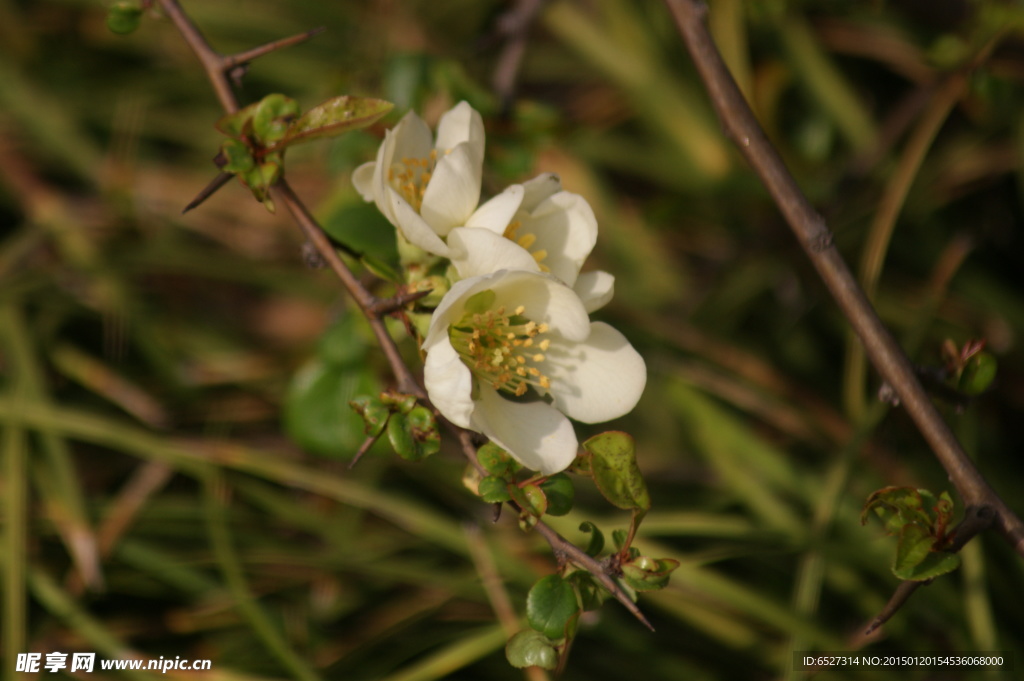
(814,236)
(220,70)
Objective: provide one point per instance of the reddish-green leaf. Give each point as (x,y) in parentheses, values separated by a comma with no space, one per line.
(334,117)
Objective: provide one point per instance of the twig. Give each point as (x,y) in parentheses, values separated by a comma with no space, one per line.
(814,236)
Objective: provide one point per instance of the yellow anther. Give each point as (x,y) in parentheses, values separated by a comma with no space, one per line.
(527,240)
(545,344)
(520,310)
(538,357)
(539,255)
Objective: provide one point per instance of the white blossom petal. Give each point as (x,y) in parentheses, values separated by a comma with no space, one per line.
(453,191)
(535,433)
(449,383)
(475,251)
(566,230)
(412,225)
(461,124)
(498,212)
(362,179)
(595,289)
(540,188)
(545,300)
(597,380)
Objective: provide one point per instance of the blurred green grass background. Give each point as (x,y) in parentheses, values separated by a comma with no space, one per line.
(172,387)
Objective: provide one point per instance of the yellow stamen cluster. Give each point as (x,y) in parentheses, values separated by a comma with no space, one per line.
(526,241)
(502,350)
(410,177)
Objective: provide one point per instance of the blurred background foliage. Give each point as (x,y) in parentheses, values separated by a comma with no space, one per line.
(175,435)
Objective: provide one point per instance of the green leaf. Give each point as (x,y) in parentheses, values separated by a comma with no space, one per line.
(978,374)
(897,506)
(124,17)
(596,544)
(615,470)
(551,606)
(423,426)
(239,123)
(272,117)
(647,574)
(915,542)
(560,494)
(373,412)
(493,490)
(935,564)
(530,498)
(401,437)
(592,595)
(316,412)
(496,460)
(235,157)
(332,118)
(531,648)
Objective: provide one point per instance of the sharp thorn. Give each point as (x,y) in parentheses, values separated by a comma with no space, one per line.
(208,191)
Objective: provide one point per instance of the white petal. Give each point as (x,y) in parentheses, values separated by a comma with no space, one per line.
(545,299)
(475,251)
(595,289)
(597,380)
(540,188)
(453,190)
(449,383)
(497,213)
(461,124)
(535,433)
(362,179)
(452,306)
(410,138)
(566,228)
(412,225)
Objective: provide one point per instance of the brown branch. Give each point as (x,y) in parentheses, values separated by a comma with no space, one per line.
(814,236)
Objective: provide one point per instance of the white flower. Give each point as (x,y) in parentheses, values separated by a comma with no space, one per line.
(427,187)
(495,337)
(534,226)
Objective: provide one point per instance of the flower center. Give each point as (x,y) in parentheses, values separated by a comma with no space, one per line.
(501,349)
(527,241)
(410,177)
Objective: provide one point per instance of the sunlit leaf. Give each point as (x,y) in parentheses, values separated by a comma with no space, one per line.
(333,117)
(615,470)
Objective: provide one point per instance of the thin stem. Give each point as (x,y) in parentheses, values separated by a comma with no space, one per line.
(212,61)
(814,236)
